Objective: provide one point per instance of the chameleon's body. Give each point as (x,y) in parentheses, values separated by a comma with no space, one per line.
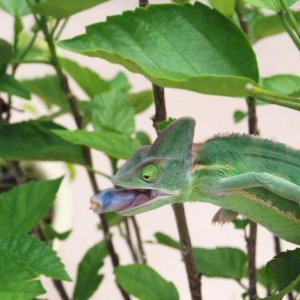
(257,178)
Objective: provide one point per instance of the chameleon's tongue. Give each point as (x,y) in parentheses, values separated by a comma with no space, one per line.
(118,199)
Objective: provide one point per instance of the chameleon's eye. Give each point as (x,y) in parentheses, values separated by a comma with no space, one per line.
(149,173)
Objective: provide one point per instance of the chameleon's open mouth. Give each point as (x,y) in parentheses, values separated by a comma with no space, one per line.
(120,200)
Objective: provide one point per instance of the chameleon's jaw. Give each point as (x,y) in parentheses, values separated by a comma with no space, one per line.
(125,201)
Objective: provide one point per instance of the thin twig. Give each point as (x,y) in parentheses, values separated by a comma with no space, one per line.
(79,123)
(61,28)
(127,235)
(137,231)
(129,241)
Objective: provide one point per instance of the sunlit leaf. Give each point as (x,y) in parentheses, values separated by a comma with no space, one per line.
(63,8)
(178,51)
(15,7)
(225,7)
(284,84)
(270,4)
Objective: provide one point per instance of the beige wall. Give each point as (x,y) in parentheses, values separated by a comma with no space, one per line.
(213,115)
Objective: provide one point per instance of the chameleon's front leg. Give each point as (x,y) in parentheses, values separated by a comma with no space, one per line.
(277,185)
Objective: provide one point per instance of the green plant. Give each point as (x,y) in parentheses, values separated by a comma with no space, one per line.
(178,45)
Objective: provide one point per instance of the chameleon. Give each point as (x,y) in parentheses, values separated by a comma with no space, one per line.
(240,173)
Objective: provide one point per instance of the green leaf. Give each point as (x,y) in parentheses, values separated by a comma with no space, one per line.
(270,4)
(48,89)
(16,280)
(191,47)
(264,280)
(64,8)
(90,82)
(34,254)
(140,101)
(284,84)
(35,140)
(39,50)
(143,137)
(181,1)
(11,86)
(165,123)
(114,144)
(6,52)
(285,291)
(240,223)
(145,283)
(24,206)
(166,240)
(15,7)
(239,116)
(112,112)
(262,26)
(113,219)
(50,233)
(284,270)
(222,262)
(88,279)
(225,7)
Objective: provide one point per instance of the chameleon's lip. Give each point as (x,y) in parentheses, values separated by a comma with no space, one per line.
(123,200)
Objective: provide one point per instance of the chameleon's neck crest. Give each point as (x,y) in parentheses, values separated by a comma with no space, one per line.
(196,148)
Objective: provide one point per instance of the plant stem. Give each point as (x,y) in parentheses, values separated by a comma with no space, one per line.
(129,241)
(277,245)
(186,247)
(187,252)
(60,289)
(78,120)
(290,17)
(142,253)
(185,241)
(253,129)
(287,26)
(62,28)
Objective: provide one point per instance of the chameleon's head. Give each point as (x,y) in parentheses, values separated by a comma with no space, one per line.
(154,175)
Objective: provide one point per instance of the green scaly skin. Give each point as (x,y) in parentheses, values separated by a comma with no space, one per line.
(240,173)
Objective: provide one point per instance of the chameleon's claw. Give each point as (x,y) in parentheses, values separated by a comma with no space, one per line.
(224,216)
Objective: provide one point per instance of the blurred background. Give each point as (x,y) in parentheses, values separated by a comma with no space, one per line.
(213,114)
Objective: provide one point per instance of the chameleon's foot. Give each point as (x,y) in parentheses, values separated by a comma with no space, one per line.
(224,216)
